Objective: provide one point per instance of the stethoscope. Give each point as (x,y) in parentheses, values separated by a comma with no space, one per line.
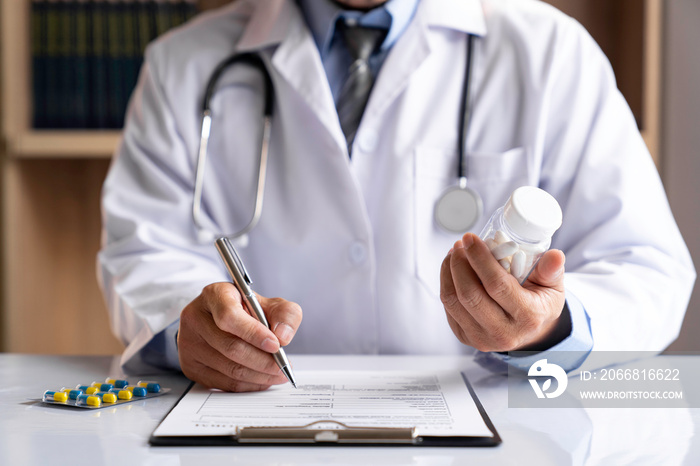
(456,211)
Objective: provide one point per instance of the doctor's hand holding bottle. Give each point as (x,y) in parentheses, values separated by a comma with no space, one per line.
(488,309)
(221,345)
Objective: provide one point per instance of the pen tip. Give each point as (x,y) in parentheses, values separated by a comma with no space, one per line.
(288,372)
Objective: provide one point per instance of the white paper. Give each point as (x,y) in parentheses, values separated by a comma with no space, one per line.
(436,403)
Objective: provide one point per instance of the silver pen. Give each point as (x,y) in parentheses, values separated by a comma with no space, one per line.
(242,281)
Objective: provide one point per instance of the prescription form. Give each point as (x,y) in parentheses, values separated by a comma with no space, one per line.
(435,403)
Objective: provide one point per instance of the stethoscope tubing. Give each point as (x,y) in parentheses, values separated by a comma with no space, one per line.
(465,114)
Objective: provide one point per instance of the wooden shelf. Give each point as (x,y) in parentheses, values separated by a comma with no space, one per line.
(64,144)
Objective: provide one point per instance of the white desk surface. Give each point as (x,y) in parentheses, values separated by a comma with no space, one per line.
(35,434)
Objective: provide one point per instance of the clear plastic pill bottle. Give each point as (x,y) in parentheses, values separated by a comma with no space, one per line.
(521,231)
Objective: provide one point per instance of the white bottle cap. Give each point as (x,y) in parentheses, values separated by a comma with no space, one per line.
(532,213)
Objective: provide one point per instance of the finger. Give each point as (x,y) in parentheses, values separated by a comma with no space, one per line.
(457,329)
(223,301)
(234,350)
(240,372)
(502,288)
(448,293)
(549,271)
(283,316)
(201,353)
(461,322)
(212,378)
(473,295)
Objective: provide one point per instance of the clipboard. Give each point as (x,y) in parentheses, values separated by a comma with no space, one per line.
(331,433)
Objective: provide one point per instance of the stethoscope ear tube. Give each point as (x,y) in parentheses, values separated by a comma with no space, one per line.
(203,234)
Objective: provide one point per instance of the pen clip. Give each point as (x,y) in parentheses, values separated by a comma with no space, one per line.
(236,259)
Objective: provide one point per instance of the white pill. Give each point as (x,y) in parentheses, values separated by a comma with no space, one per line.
(491,243)
(517,265)
(532,249)
(504,250)
(531,260)
(505,263)
(499,237)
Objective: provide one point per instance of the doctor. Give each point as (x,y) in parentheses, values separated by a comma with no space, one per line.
(347,232)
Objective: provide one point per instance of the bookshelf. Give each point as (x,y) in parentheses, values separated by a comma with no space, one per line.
(51,180)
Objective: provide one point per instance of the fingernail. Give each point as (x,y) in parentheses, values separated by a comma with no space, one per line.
(269,345)
(467,240)
(283,331)
(558,273)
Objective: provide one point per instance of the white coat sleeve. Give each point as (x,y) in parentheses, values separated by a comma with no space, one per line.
(150,264)
(625,258)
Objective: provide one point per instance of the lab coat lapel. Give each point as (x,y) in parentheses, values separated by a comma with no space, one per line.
(413,47)
(296,58)
(405,57)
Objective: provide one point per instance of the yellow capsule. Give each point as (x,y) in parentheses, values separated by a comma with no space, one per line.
(124,394)
(88,389)
(107,397)
(90,400)
(60,397)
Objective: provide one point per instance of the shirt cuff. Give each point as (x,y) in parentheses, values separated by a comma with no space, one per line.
(161,351)
(568,353)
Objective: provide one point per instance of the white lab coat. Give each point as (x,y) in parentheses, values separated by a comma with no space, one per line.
(353,241)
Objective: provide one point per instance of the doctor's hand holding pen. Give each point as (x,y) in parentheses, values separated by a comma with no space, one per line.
(488,309)
(221,345)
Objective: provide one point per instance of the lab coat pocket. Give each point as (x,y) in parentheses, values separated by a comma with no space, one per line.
(492,175)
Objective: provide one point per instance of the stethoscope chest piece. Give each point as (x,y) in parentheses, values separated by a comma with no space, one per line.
(458,209)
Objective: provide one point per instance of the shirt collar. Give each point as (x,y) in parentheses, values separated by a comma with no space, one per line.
(270,19)
(321,16)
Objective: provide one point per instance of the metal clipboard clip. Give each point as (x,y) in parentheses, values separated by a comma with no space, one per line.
(327,432)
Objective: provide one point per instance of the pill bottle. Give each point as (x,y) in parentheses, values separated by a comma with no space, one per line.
(521,231)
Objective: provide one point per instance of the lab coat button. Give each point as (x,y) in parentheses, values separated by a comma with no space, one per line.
(368,140)
(357,253)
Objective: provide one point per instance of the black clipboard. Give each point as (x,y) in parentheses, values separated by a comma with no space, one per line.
(335,434)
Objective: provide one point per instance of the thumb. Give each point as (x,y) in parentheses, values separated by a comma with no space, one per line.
(549,271)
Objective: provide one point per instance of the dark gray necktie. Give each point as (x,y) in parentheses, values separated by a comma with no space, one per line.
(361,42)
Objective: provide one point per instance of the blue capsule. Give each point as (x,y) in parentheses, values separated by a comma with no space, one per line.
(137,391)
(72,392)
(117,382)
(151,387)
(103,387)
